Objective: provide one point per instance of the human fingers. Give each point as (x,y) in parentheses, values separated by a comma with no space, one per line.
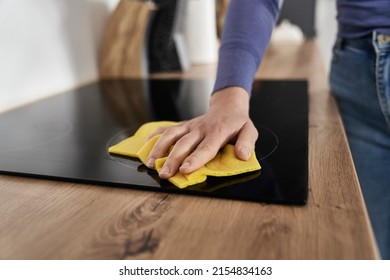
(204,152)
(180,151)
(164,143)
(246,140)
(159,130)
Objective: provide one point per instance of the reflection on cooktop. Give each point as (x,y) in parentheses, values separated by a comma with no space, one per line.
(66,137)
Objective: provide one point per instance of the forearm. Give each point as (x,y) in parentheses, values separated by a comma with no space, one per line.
(247,31)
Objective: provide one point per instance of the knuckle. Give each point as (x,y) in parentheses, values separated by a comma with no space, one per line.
(189,138)
(169,165)
(173,157)
(199,130)
(205,152)
(195,160)
(205,148)
(184,142)
(170,133)
(217,130)
(159,130)
(255,133)
(173,164)
(252,131)
(155,153)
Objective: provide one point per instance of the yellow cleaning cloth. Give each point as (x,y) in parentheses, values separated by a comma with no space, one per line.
(225,163)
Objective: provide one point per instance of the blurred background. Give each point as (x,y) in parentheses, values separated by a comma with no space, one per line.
(49,46)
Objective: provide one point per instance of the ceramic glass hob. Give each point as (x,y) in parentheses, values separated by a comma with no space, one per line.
(66,137)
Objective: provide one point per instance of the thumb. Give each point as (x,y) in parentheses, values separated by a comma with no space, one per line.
(246,140)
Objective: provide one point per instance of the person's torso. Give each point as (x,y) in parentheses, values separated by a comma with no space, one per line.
(357,18)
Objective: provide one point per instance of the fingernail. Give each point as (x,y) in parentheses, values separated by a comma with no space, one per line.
(185,165)
(245,151)
(164,172)
(150,163)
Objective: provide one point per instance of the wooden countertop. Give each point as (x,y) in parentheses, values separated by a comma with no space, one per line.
(41,219)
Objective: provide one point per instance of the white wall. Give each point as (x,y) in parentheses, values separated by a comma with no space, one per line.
(326,27)
(47,46)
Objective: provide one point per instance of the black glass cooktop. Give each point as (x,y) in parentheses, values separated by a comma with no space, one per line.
(66,137)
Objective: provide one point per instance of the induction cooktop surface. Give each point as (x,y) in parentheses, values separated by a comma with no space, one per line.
(66,137)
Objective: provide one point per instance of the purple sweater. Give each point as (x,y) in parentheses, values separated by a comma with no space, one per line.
(249,24)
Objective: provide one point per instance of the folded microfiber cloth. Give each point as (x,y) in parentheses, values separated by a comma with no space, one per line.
(225,163)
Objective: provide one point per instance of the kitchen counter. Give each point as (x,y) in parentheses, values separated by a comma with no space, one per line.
(44,219)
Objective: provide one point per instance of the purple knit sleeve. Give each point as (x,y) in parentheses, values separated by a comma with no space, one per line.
(247,31)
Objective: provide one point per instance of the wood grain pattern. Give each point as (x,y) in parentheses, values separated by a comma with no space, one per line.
(221,9)
(42,219)
(124,40)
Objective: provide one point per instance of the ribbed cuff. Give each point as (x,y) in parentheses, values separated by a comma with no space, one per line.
(236,67)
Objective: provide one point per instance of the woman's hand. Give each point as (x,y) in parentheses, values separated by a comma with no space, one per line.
(198,140)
